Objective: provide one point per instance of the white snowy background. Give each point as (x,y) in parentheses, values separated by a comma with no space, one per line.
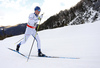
(81,41)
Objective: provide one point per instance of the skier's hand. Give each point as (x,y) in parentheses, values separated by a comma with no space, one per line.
(37,26)
(39,18)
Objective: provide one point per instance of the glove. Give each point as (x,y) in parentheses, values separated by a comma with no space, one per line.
(36,26)
(40,17)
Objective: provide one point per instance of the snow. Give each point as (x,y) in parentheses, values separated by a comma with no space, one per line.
(81,41)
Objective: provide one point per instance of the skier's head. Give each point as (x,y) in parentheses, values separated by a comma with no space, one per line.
(37,10)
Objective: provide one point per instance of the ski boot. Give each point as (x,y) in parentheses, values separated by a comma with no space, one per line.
(40,54)
(17,48)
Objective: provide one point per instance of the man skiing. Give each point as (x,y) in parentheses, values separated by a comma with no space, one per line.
(30,30)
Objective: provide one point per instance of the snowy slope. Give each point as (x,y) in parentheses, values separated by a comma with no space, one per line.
(82,41)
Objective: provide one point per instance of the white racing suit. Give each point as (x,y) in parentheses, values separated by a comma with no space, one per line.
(30,30)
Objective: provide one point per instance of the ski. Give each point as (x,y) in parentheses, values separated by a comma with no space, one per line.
(17,52)
(55,57)
(43,56)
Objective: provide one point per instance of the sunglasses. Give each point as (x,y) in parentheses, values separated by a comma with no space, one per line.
(39,10)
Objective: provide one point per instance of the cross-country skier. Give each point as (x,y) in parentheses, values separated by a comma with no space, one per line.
(30,30)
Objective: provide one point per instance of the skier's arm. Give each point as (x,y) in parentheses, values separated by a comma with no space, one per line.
(31,17)
(32,20)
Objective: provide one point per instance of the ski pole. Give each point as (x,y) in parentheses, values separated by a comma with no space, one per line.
(19,40)
(33,42)
(32,46)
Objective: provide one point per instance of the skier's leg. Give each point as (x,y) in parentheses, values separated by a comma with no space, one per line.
(38,45)
(37,40)
(26,36)
(25,39)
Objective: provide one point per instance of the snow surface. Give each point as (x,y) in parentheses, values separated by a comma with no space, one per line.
(81,41)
